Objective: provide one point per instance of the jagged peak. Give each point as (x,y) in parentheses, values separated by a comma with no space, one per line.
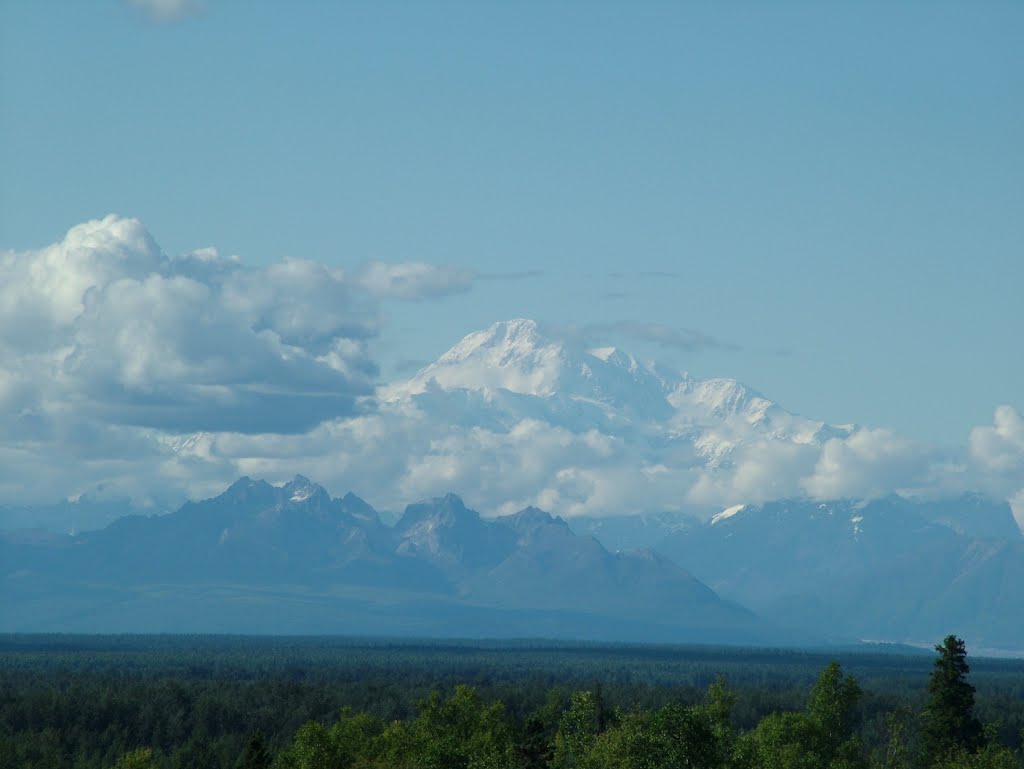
(449,508)
(359,507)
(534,512)
(301,489)
(530,517)
(243,487)
(451,499)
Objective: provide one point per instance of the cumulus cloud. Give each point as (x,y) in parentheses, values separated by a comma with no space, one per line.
(757,470)
(166,10)
(503,451)
(105,325)
(996,457)
(128,372)
(107,343)
(868,463)
(409,450)
(402,453)
(999,448)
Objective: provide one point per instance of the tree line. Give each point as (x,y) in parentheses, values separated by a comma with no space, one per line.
(261,716)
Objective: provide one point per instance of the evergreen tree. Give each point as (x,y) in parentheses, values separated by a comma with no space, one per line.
(256,754)
(949,720)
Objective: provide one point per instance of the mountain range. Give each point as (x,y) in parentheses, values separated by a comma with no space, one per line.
(292,559)
(626,451)
(890,568)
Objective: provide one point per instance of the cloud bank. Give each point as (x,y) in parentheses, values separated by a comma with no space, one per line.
(104,326)
(107,344)
(128,372)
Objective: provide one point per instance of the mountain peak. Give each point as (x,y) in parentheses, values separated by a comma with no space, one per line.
(448,510)
(508,339)
(517,356)
(300,489)
(358,508)
(244,490)
(529,518)
(446,532)
(511,355)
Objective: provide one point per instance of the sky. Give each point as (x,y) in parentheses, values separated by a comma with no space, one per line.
(822,201)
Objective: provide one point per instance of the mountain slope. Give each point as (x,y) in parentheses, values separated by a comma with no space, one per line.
(891,568)
(293,558)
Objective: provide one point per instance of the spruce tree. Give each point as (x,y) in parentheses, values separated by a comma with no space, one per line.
(256,754)
(949,720)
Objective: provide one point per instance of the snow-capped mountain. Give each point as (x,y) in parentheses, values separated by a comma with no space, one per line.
(515,358)
(519,417)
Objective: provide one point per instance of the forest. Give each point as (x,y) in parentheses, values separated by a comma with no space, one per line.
(232,702)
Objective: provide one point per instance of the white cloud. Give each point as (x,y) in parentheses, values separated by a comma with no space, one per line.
(505,462)
(759,470)
(504,453)
(106,343)
(400,454)
(106,325)
(561,451)
(868,463)
(999,448)
(127,372)
(996,457)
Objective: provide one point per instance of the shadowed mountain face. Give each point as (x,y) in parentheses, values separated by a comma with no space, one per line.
(890,569)
(317,564)
(555,568)
(445,533)
(292,559)
(253,532)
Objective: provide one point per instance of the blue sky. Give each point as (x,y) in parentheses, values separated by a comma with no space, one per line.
(828,194)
